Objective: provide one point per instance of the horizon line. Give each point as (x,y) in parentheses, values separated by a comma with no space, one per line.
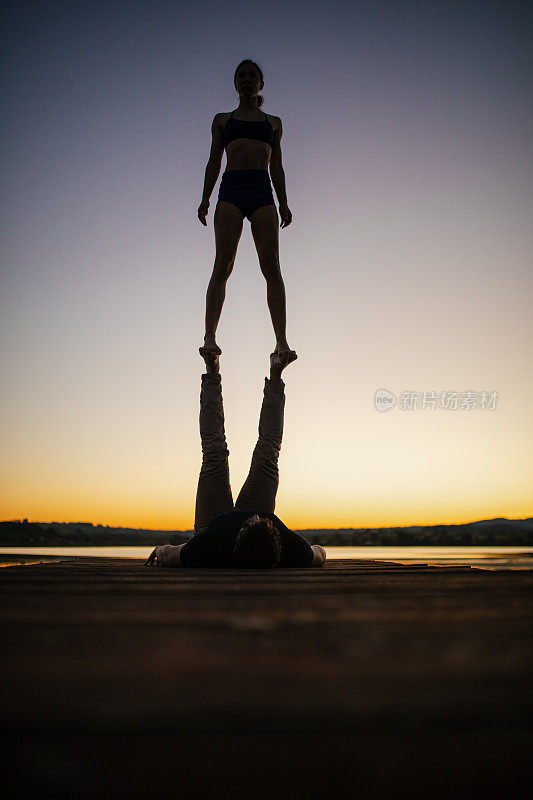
(350,527)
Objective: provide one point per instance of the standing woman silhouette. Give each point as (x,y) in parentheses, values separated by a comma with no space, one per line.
(252,142)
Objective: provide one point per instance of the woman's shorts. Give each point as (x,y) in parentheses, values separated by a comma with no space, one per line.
(248,189)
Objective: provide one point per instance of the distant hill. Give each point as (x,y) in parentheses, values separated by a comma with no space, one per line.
(499,531)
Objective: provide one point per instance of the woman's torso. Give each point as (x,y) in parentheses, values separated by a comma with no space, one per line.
(244,152)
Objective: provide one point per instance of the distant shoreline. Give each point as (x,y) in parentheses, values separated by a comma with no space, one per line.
(495,532)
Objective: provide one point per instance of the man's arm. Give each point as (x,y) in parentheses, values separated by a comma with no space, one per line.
(319,556)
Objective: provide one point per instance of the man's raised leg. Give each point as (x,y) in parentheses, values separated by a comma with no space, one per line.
(213,495)
(260,487)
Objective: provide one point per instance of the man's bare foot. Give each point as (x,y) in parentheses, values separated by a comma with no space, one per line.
(279,362)
(210,352)
(211,360)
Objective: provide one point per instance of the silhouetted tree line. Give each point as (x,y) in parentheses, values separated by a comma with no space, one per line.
(61,534)
(517,532)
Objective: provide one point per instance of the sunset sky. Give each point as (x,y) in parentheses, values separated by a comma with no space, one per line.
(408,264)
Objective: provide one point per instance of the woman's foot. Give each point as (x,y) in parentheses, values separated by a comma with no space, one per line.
(209,346)
(284,352)
(279,362)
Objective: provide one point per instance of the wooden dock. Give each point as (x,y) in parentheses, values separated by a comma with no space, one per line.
(362,679)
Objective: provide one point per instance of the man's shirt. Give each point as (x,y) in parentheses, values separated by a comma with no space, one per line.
(213,546)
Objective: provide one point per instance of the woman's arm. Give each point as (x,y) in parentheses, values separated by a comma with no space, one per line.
(213,165)
(277,173)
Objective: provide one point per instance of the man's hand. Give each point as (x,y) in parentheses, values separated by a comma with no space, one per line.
(152,558)
(286,216)
(319,555)
(166,555)
(202,211)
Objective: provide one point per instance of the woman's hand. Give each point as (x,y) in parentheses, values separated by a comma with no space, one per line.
(286,216)
(202,211)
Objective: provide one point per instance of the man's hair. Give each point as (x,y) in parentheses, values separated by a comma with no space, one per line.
(258,546)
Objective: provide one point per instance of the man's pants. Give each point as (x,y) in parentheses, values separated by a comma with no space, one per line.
(258,493)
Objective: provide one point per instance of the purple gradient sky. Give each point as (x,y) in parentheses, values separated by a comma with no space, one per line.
(408,161)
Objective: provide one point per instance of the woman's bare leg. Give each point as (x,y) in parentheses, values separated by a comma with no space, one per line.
(228,223)
(264,224)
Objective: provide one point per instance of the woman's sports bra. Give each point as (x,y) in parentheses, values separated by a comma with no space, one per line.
(239,129)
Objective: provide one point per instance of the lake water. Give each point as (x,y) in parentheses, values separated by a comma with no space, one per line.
(484,557)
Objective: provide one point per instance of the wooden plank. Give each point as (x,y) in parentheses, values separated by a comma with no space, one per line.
(350,667)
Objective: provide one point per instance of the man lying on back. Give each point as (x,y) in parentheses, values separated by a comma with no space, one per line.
(247,534)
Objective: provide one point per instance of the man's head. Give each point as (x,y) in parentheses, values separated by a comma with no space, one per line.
(258,544)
